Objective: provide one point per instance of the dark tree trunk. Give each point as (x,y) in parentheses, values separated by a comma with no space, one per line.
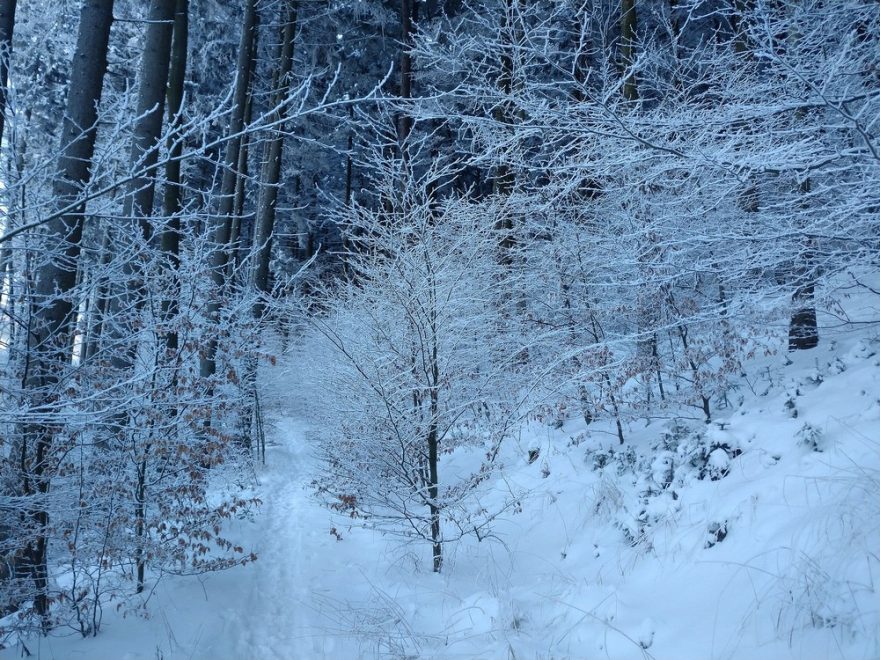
(433,473)
(140,195)
(222,222)
(138,211)
(270,174)
(741,40)
(406,73)
(504,179)
(7,25)
(803,332)
(52,314)
(627,48)
(235,233)
(155,65)
(238,235)
(173,192)
(272,154)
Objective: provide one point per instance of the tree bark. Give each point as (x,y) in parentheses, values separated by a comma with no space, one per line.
(236,232)
(138,211)
(52,313)
(504,181)
(222,222)
(272,154)
(803,331)
(155,65)
(140,195)
(7,26)
(627,48)
(170,242)
(404,126)
(433,456)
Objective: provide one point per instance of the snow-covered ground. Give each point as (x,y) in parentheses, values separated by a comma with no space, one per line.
(755,537)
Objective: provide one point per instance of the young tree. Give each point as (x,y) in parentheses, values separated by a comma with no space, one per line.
(414,353)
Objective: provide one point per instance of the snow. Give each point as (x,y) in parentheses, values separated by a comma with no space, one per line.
(752,538)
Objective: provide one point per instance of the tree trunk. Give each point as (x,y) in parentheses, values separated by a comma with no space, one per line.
(235,232)
(170,242)
(404,125)
(647,343)
(140,194)
(155,65)
(741,40)
(138,210)
(803,332)
(627,48)
(504,179)
(7,25)
(264,218)
(272,154)
(128,295)
(53,309)
(222,222)
(433,461)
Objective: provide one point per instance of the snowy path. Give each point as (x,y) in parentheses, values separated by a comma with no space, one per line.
(274,615)
(270,619)
(262,611)
(299,600)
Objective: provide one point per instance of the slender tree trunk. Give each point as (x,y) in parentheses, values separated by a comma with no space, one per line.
(173,202)
(7,26)
(138,211)
(647,344)
(348,246)
(504,181)
(100,305)
(140,195)
(155,65)
(695,372)
(349,160)
(127,296)
(272,155)
(740,36)
(504,178)
(236,233)
(627,48)
(53,308)
(170,245)
(222,222)
(10,221)
(404,126)
(433,460)
(264,218)
(803,331)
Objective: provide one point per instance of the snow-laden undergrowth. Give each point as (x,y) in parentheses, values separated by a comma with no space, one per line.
(754,537)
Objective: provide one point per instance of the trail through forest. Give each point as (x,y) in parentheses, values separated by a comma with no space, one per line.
(269,622)
(274,617)
(563,580)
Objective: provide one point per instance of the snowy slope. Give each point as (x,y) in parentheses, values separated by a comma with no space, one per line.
(755,537)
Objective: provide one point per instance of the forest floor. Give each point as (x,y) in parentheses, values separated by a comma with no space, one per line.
(755,537)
